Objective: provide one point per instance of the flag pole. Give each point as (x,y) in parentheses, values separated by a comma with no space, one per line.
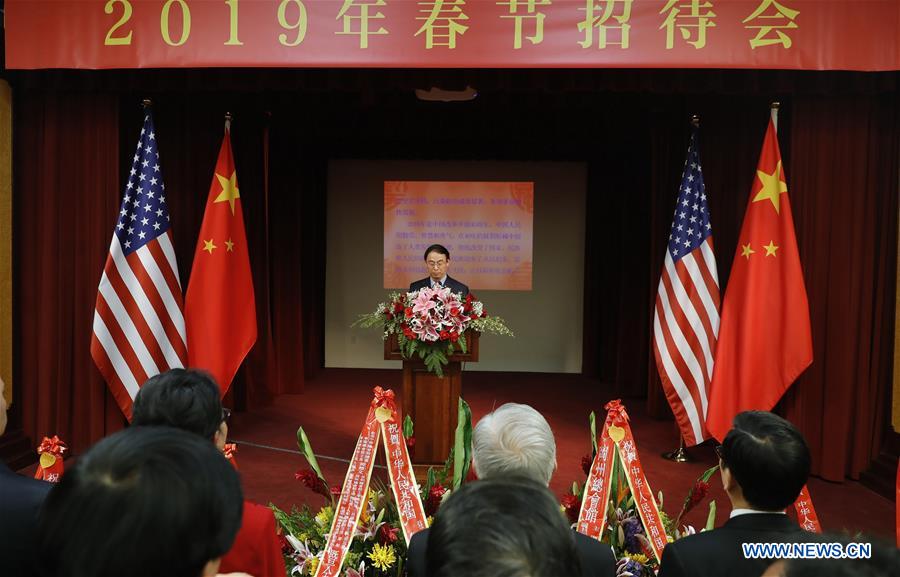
(679,455)
(227,122)
(775,106)
(147,103)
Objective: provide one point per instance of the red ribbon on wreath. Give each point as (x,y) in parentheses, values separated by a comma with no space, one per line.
(50,466)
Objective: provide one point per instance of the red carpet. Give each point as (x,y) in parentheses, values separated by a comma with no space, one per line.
(335,403)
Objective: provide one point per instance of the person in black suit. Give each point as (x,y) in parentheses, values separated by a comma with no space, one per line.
(506,526)
(764,464)
(20,501)
(516,440)
(437,258)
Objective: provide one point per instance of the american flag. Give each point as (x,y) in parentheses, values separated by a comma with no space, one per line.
(138,320)
(686,321)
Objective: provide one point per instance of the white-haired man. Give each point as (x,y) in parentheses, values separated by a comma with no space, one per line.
(516,440)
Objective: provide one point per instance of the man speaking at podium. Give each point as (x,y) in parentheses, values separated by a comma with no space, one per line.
(437,259)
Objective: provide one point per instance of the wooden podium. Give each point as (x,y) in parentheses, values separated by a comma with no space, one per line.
(431,401)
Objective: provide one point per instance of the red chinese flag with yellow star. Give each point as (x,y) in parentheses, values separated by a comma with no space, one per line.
(765,340)
(220,309)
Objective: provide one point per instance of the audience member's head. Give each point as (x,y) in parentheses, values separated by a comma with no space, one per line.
(883,562)
(504,527)
(514,440)
(765,461)
(184,399)
(146,501)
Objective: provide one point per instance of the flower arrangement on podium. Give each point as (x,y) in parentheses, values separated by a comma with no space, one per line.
(432,323)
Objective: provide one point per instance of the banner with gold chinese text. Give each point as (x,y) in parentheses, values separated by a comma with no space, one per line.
(774,34)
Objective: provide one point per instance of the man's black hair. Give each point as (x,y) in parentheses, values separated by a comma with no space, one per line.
(503,527)
(768,457)
(184,399)
(438,248)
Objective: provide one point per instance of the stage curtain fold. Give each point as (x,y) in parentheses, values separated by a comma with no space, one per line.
(66,196)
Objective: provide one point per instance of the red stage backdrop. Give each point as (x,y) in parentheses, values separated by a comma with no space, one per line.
(798,34)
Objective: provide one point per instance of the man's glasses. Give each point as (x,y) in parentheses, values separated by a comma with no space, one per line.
(226,414)
(437,264)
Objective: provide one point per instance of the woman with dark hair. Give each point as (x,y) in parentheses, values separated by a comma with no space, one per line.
(146,501)
(190,400)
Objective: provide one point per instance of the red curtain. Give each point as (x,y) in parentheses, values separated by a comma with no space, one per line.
(75,131)
(66,178)
(844,173)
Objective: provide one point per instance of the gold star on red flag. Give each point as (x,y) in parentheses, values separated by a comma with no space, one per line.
(230,191)
(773,185)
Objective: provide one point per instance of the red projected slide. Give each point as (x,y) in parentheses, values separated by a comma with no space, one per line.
(486,226)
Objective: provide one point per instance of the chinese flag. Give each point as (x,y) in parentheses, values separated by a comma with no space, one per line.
(220,310)
(765,340)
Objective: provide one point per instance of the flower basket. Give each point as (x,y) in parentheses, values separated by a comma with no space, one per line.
(433,324)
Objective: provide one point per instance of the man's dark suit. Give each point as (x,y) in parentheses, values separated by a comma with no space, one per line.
(20,500)
(718,552)
(452,283)
(596,558)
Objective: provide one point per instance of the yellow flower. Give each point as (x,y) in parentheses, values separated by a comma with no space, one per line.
(323,517)
(382,557)
(313,565)
(639,557)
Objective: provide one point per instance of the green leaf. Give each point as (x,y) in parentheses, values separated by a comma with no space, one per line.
(407,427)
(306,449)
(429,482)
(711,518)
(463,343)
(593,419)
(708,473)
(575,488)
(462,449)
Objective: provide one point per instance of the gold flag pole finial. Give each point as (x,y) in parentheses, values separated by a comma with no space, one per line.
(147,103)
(775,106)
(227,121)
(695,120)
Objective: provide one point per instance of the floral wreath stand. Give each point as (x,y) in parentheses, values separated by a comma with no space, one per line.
(431,401)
